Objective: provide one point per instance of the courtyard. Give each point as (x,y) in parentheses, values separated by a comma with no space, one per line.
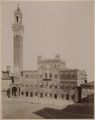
(18,108)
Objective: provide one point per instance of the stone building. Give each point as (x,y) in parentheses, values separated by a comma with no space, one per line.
(49,79)
(6,80)
(87,89)
(52,79)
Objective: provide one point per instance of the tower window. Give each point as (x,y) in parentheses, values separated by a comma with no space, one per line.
(17,19)
(50,75)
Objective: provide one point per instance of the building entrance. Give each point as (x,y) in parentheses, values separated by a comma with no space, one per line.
(14,91)
(67,97)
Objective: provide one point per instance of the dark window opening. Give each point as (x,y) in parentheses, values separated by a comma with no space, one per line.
(50,86)
(14,91)
(27,76)
(56,87)
(31,94)
(26,94)
(17,19)
(21,73)
(85,81)
(55,96)
(22,93)
(55,76)
(50,75)
(41,86)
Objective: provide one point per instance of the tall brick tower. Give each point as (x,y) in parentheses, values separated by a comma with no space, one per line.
(18,30)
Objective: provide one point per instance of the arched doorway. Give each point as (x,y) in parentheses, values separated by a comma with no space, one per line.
(14,91)
(67,97)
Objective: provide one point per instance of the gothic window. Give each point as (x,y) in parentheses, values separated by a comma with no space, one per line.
(17,19)
(26,94)
(50,75)
(45,75)
(31,94)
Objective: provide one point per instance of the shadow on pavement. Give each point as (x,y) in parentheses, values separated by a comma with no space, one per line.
(76,111)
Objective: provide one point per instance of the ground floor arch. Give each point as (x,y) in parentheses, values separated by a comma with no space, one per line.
(14,91)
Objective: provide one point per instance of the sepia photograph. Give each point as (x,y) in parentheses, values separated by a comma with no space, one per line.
(47,59)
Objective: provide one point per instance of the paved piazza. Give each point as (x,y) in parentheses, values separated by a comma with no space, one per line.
(19,108)
(26,108)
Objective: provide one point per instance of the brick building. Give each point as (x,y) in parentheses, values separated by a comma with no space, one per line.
(52,79)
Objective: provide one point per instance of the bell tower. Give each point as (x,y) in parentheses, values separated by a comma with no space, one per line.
(18,30)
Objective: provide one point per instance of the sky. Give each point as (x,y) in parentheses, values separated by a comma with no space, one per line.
(51,28)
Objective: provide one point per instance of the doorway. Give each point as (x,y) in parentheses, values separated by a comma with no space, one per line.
(14,91)
(67,97)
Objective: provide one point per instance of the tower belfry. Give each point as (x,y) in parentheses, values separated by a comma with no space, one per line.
(18,30)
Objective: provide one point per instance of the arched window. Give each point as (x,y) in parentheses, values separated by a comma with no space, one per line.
(17,19)
(45,75)
(50,75)
(26,94)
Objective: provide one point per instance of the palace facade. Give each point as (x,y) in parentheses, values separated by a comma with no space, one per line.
(52,79)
